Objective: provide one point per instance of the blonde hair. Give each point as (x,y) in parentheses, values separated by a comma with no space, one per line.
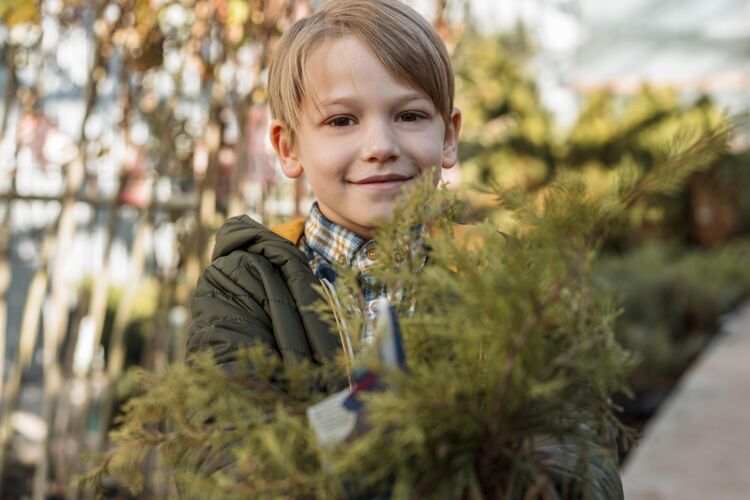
(402,40)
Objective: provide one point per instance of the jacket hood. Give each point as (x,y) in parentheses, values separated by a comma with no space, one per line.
(243,233)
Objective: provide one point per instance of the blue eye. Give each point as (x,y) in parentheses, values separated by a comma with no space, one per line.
(340,121)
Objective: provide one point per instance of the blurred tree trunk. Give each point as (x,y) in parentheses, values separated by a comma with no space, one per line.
(96,312)
(97,307)
(27,339)
(5,279)
(199,252)
(6,275)
(117,346)
(60,237)
(27,107)
(11,86)
(236,204)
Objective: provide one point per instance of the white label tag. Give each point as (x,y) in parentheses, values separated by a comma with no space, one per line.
(329,419)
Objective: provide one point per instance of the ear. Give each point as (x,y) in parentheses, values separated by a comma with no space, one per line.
(281,140)
(450,141)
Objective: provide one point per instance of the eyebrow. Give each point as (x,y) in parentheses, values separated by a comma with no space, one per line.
(350,100)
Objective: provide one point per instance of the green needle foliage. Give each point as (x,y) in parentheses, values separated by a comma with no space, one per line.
(672,304)
(511,364)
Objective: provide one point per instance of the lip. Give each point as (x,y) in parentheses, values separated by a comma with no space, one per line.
(382,179)
(387,183)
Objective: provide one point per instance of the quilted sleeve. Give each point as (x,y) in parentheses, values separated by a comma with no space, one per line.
(229,309)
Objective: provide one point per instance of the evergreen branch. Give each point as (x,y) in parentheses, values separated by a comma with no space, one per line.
(667,176)
(574,351)
(530,325)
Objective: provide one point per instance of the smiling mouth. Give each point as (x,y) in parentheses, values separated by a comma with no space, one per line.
(386,179)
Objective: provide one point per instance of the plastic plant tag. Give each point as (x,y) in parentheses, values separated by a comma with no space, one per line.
(339,417)
(388,335)
(331,420)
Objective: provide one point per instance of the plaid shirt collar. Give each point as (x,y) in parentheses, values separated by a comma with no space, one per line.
(329,240)
(326,243)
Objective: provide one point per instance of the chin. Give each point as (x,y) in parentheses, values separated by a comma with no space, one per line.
(381,213)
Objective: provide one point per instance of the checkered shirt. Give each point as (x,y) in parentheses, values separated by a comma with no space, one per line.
(325,242)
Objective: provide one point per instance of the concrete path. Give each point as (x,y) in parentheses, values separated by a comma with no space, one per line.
(698,445)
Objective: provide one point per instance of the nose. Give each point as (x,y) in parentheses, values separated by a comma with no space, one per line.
(380,144)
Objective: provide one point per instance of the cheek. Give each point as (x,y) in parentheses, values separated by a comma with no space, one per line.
(326,154)
(429,152)
(429,144)
(323,173)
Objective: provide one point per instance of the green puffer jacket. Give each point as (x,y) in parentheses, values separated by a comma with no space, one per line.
(255,292)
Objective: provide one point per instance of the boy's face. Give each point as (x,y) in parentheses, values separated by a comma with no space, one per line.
(362,136)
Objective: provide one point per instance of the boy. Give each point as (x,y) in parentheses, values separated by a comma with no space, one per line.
(361,93)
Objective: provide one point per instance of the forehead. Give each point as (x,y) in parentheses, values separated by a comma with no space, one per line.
(345,69)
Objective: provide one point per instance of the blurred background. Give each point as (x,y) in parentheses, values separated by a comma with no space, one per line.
(130,129)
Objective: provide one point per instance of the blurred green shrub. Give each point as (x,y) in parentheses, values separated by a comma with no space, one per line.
(672,288)
(510,139)
(141,324)
(672,298)
(507,135)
